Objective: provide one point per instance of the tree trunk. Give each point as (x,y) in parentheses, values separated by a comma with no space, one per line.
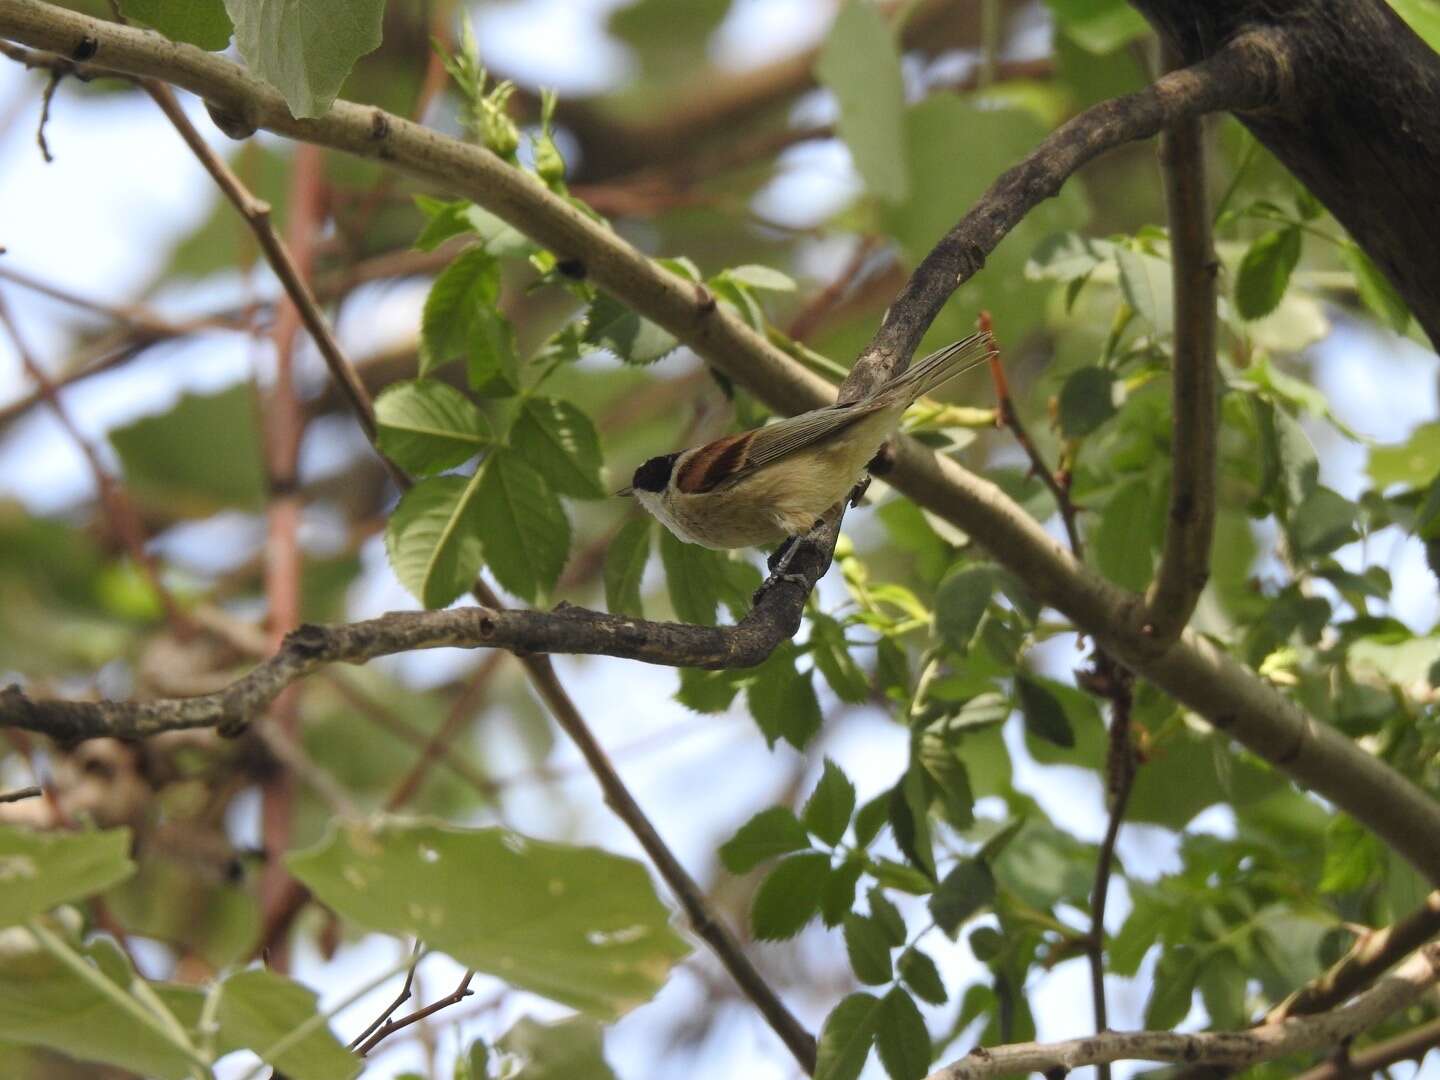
(1359,122)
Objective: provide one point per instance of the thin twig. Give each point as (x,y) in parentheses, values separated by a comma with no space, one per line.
(1266,1043)
(46,98)
(34,791)
(389,1027)
(400,999)
(1185,557)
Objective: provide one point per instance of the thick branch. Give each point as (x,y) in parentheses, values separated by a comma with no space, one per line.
(1247,72)
(1248,1047)
(1412,1045)
(1185,559)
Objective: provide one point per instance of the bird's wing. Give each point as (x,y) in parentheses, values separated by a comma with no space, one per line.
(727,459)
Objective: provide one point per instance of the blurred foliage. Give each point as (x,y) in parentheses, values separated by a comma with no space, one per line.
(524,395)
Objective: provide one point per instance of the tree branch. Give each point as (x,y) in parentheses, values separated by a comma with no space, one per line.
(1264,1043)
(1185,559)
(1413,1044)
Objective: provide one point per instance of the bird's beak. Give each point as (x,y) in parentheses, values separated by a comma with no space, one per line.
(626,491)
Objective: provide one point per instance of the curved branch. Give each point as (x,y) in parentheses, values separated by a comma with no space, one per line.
(1266,1043)
(1185,558)
(1249,71)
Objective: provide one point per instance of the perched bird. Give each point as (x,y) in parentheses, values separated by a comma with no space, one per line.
(777,482)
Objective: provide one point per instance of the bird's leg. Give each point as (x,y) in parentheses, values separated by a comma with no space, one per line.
(779,561)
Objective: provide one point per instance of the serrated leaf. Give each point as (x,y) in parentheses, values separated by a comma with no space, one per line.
(860,64)
(847,1036)
(902,1039)
(708,691)
(833,658)
(769,833)
(569,1049)
(433,538)
(692,577)
(1044,715)
(259,1008)
(1086,401)
(827,811)
(461,297)
(574,924)
(522,525)
(789,897)
(1375,290)
(426,426)
(965,890)
(197,22)
(560,442)
(635,340)
(888,916)
(491,364)
(448,219)
(960,603)
(871,818)
(838,894)
(919,973)
(868,947)
(1175,977)
(625,561)
(1265,272)
(783,701)
(305,48)
(1145,284)
(202,455)
(40,870)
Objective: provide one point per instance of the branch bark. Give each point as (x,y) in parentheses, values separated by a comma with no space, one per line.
(1251,71)
(1185,559)
(1265,1043)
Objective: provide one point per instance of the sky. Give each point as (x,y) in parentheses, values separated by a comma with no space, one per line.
(122,188)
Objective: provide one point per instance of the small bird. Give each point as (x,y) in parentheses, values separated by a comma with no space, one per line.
(777,482)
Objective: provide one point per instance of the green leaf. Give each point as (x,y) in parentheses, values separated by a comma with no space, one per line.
(1044,715)
(477,1059)
(986,943)
(42,869)
(570,1049)
(522,525)
(833,658)
(871,818)
(1326,520)
(783,701)
(1068,256)
(1122,542)
(789,897)
(888,916)
(625,561)
(1175,977)
(449,219)
(426,426)
(1222,989)
(1087,400)
(305,48)
(611,325)
(1098,26)
(708,691)
(574,924)
(827,811)
(838,895)
(433,538)
(459,307)
(560,442)
(860,64)
(869,949)
(491,364)
(44,1003)
(896,875)
(1375,290)
(693,578)
(197,22)
(903,1042)
(201,456)
(847,1036)
(1353,858)
(960,603)
(968,887)
(919,973)
(1414,463)
(258,1008)
(761,277)
(1265,272)
(769,833)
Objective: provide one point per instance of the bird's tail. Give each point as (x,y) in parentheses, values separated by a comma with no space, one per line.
(935,370)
